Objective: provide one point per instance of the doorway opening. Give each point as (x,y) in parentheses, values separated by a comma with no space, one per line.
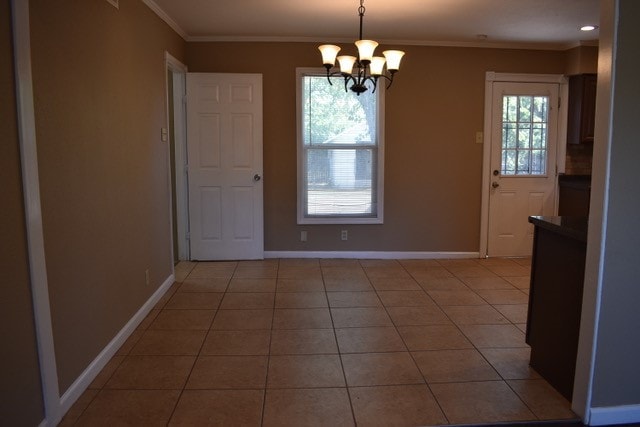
(176,73)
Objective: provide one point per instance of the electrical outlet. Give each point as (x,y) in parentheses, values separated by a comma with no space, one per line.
(479,137)
(344,235)
(303,236)
(146,276)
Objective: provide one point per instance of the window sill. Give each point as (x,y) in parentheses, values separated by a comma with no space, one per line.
(339,220)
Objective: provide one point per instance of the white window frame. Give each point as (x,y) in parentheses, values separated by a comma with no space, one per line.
(302,219)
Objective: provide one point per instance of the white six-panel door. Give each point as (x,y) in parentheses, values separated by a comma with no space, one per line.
(523,163)
(224,147)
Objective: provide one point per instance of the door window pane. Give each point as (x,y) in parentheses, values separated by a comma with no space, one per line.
(524,135)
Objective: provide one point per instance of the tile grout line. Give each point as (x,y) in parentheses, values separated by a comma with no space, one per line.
(197,356)
(479,350)
(335,337)
(407,347)
(266,380)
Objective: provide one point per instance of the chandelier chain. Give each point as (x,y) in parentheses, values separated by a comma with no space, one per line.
(361,11)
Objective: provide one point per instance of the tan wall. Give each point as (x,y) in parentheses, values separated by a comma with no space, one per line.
(20,391)
(99,84)
(432,163)
(582,60)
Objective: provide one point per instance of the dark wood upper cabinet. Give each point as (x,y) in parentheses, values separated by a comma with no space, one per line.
(582,108)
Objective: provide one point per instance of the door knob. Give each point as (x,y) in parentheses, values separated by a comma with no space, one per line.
(257,177)
(495,184)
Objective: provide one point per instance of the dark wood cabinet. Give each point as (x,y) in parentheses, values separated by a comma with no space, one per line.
(582,108)
(555,298)
(575,195)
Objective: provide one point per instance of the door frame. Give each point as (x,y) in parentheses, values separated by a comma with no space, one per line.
(179,134)
(54,406)
(492,77)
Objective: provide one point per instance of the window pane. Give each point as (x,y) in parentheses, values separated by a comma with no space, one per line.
(509,162)
(524,111)
(523,162)
(539,109)
(538,162)
(524,135)
(539,136)
(339,182)
(509,135)
(510,109)
(333,116)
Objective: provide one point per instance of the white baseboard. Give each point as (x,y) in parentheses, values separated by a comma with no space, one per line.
(84,380)
(626,414)
(370,254)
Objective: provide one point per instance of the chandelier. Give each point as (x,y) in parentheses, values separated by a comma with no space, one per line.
(364,68)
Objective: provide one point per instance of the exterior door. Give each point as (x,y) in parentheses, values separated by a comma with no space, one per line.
(224,150)
(524,121)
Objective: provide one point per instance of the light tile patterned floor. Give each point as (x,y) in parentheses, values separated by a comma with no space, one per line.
(296,342)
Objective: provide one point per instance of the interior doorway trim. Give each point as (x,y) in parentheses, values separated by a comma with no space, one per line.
(179,134)
(492,77)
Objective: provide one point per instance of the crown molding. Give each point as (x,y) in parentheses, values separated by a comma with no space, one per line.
(463,44)
(151,4)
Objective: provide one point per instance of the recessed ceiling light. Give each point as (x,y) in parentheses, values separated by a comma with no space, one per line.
(589,28)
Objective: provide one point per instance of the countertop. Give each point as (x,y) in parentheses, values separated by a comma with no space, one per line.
(574,227)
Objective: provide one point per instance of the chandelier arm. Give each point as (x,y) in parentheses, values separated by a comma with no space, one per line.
(346,77)
(384,76)
(390,82)
(374,79)
(329,73)
(393,73)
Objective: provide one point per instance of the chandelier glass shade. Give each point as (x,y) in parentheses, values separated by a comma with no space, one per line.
(365,68)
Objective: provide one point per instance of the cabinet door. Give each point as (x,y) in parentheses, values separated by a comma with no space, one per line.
(588,108)
(582,108)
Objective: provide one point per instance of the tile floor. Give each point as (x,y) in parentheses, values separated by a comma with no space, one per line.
(297,342)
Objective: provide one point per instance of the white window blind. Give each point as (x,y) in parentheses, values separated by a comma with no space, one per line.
(339,151)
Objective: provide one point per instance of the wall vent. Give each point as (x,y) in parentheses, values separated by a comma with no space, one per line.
(114,3)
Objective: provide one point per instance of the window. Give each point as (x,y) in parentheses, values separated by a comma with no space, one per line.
(340,152)
(524,135)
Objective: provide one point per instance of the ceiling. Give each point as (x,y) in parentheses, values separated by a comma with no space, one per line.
(544,24)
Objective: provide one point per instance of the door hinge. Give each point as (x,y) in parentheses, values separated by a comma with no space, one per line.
(186,169)
(188,236)
(559,102)
(184,99)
